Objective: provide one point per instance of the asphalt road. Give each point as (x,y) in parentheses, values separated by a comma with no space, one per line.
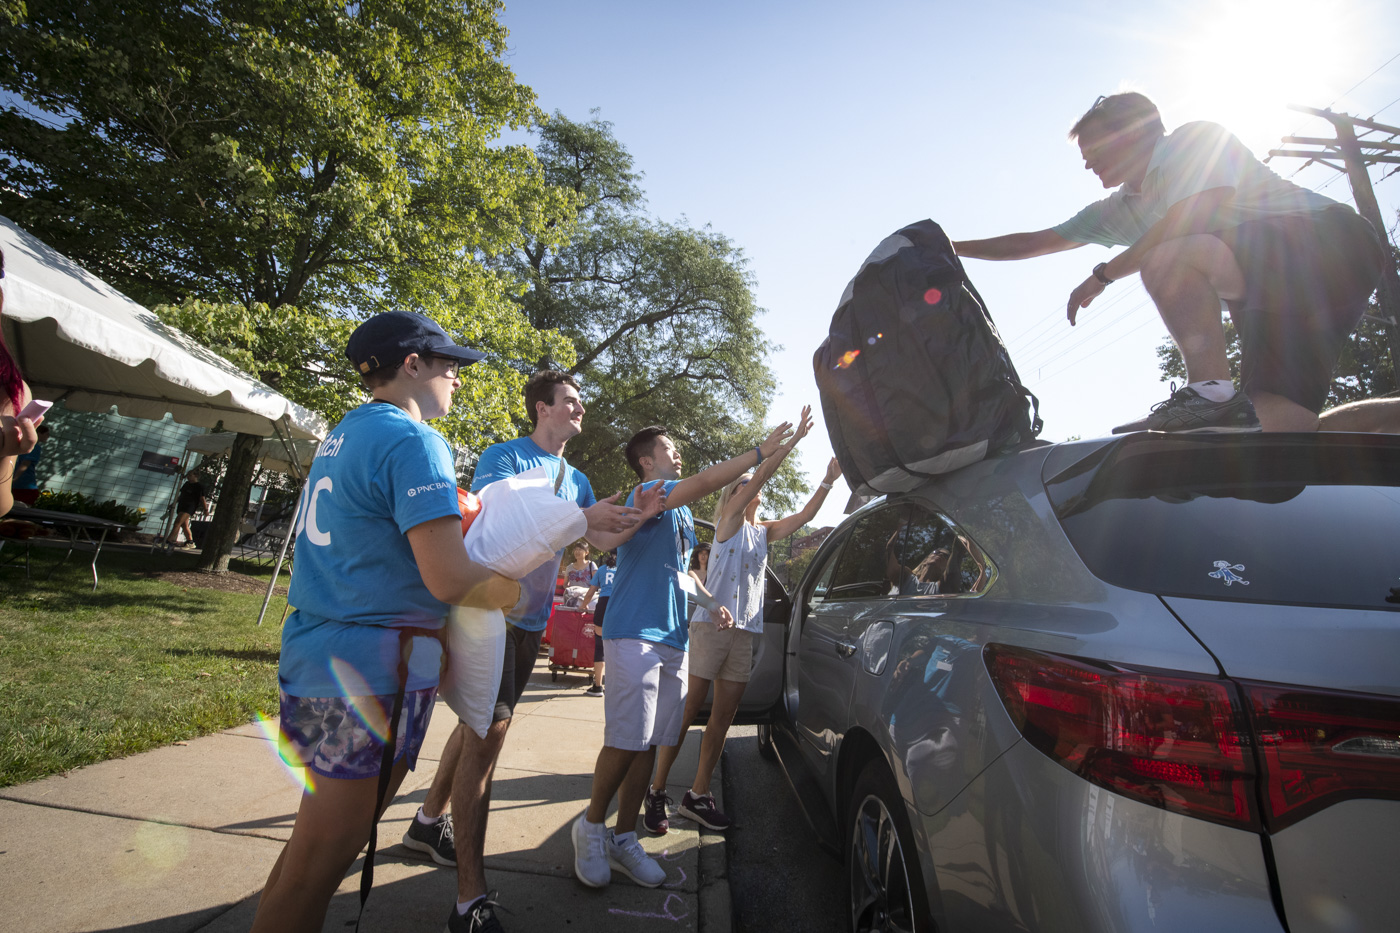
(780,878)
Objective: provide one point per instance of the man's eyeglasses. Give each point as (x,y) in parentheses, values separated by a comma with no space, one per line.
(450,366)
(1098,100)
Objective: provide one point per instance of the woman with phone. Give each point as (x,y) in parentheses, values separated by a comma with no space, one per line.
(19,421)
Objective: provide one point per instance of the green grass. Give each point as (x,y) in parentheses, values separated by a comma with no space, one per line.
(140,663)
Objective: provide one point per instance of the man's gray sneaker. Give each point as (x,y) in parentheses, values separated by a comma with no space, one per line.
(436,839)
(591,853)
(632,860)
(1188,410)
(480,919)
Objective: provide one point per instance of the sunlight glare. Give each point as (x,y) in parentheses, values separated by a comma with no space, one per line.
(1245,60)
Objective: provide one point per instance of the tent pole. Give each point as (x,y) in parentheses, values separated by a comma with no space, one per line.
(277,568)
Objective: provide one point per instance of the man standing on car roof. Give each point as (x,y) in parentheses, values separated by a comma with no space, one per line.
(1206,222)
(468,761)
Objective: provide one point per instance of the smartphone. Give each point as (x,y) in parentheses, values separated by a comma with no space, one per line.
(35,409)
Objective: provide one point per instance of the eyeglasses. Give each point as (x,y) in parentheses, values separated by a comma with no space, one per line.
(1098,100)
(451,366)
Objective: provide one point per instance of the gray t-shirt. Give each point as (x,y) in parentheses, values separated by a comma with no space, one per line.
(1194,158)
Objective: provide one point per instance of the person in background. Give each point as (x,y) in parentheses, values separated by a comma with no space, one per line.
(379,561)
(193,498)
(26,485)
(699,567)
(602,584)
(17,435)
(580,570)
(722,654)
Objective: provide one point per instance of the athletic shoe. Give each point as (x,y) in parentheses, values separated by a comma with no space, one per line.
(596,690)
(654,813)
(436,839)
(591,853)
(632,860)
(703,811)
(480,919)
(1188,410)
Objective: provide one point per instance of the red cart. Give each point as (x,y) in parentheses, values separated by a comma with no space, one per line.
(570,641)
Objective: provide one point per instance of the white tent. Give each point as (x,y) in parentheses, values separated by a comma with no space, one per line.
(274,453)
(77,338)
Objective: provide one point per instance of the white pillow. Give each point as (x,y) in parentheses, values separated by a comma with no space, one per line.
(522,524)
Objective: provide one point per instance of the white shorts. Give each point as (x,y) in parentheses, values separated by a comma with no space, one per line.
(644,703)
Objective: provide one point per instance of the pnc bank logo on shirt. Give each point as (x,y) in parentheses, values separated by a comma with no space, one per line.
(428,488)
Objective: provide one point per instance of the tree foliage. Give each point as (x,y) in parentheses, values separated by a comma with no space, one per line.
(661,316)
(272,171)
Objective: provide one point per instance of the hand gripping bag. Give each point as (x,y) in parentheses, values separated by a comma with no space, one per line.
(521,524)
(913,376)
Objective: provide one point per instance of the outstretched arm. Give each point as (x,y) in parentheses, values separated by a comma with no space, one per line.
(1015,246)
(738,503)
(780,529)
(1198,213)
(712,478)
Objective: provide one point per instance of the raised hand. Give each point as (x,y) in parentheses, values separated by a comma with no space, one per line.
(804,425)
(775,440)
(608,517)
(833,471)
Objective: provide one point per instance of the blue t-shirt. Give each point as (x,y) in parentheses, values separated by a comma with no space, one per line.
(376,475)
(25,475)
(511,458)
(603,580)
(647,600)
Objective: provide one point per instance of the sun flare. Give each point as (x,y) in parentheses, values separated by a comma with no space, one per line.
(1244,61)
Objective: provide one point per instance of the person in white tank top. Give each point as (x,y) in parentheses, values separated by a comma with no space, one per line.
(723,654)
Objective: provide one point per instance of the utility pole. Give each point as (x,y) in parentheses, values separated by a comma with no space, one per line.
(1355,155)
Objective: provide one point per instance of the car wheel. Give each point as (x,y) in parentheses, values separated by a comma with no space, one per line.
(765,742)
(882,869)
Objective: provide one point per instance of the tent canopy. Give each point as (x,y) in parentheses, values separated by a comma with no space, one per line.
(77,338)
(273,453)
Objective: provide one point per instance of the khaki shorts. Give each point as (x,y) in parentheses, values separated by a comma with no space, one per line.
(720,654)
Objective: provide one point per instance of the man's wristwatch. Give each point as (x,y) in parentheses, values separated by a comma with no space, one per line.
(1101,275)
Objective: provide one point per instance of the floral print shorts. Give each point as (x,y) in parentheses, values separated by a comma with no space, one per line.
(343,737)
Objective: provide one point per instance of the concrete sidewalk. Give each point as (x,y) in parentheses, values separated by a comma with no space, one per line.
(181,839)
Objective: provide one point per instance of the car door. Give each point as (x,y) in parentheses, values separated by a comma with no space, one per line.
(840,598)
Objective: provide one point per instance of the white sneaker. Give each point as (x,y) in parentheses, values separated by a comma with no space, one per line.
(591,853)
(632,860)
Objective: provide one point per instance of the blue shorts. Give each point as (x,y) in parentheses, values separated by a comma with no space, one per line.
(343,737)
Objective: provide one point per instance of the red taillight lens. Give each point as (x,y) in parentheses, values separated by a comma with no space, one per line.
(1171,740)
(1318,747)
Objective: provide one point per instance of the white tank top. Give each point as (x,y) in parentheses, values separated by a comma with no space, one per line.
(736,577)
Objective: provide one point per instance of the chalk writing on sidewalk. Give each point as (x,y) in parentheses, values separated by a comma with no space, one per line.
(673,903)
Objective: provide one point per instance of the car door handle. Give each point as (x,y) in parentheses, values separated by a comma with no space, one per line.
(845,648)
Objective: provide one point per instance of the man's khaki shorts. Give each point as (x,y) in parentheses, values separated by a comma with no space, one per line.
(720,654)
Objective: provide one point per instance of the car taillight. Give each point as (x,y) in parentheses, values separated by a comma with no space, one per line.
(1318,747)
(1172,740)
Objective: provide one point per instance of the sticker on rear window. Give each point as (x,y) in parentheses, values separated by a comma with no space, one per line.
(1227,573)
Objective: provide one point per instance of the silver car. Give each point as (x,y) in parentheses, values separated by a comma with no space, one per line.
(1142,683)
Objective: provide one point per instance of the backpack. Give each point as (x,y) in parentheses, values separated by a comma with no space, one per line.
(913,376)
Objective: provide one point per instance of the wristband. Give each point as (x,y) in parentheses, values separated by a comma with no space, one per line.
(1102,275)
(759,451)
(824,485)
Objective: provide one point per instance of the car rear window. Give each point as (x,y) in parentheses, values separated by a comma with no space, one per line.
(1294,519)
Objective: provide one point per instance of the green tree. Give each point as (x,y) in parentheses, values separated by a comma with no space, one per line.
(661,317)
(272,171)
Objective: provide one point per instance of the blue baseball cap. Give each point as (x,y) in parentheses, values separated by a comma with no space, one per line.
(385,339)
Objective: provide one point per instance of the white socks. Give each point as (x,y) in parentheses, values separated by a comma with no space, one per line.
(463,907)
(426,820)
(1217,390)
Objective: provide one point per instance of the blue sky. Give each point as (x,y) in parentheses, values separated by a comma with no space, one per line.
(806,132)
